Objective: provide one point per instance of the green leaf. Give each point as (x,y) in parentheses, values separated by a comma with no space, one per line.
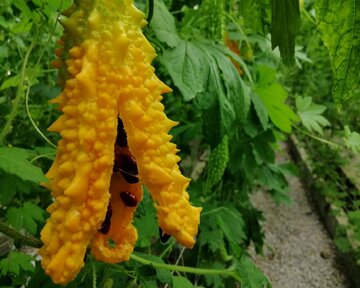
(8,188)
(249,275)
(261,110)
(188,68)
(163,275)
(163,24)
(12,81)
(254,228)
(262,147)
(285,22)
(232,225)
(203,71)
(211,125)
(149,284)
(31,74)
(147,271)
(181,282)
(15,263)
(25,217)
(253,126)
(273,95)
(339,23)
(237,93)
(14,161)
(310,114)
(352,140)
(210,233)
(272,178)
(145,222)
(214,281)
(11,185)
(23,7)
(215,86)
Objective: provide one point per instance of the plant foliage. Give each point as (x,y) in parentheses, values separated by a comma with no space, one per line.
(339,23)
(233,100)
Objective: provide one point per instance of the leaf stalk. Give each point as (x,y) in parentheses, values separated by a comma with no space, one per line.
(203,271)
(17,236)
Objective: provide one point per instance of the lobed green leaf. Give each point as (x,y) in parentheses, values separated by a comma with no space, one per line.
(310,114)
(15,263)
(163,24)
(273,96)
(339,23)
(15,161)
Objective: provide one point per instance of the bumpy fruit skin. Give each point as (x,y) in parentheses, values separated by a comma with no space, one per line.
(147,128)
(213,12)
(105,71)
(218,160)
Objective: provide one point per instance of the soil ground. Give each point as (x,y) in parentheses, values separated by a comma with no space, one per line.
(299,252)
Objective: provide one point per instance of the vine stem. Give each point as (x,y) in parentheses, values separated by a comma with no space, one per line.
(28,89)
(212,211)
(17,236)
(176,263)
(186,269)
(150,11)
(32,121)
(36,243)
(330,143)
(94,284)
(7,127)
(232,19)
(307,14)
(48,156)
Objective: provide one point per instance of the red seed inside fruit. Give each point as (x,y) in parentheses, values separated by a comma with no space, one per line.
(128,198)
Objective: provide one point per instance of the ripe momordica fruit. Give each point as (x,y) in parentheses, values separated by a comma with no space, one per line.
(106,74)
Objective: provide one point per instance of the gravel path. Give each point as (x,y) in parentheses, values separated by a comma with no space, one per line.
(299,252)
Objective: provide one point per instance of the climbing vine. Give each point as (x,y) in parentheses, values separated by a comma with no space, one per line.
(116,151)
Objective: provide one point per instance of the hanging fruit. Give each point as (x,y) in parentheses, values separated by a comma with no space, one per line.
(114,137)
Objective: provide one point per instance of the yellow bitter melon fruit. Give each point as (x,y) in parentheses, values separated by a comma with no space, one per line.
(105,70)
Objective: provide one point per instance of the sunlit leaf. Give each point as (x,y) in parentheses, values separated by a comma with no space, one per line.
(339,23)
(273,95)
(310,114)
(352,139)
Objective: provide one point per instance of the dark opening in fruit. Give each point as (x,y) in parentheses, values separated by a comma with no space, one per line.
(105,226)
